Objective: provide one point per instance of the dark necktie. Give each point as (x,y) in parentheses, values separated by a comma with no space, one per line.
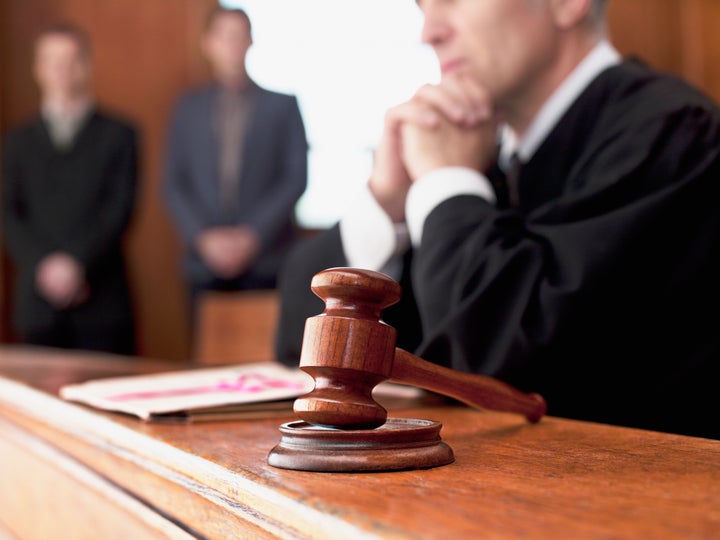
(512,177)
(232,115)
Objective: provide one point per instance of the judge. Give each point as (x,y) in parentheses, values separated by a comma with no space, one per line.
(580,260)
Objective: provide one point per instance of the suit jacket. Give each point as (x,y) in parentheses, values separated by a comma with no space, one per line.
(598,290)
(273,175)
(78,201)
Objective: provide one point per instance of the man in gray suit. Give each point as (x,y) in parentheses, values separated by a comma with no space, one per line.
(236,165)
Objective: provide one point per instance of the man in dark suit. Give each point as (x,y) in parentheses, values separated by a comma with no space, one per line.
(589,273)
(68,191)
(236,166)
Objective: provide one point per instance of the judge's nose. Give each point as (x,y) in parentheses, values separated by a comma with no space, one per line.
(435,30)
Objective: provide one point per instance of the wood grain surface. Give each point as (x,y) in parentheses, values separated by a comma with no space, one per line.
(510,479)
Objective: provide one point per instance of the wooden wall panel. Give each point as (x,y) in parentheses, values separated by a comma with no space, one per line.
(701,44)
(4,326)
(649,29)
(678,36)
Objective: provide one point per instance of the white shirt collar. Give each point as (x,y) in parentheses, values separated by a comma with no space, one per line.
(65,122)
(601,57)
(73,112)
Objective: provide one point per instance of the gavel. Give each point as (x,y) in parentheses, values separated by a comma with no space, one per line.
(348,350)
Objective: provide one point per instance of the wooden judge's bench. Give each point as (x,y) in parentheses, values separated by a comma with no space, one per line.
(70,472)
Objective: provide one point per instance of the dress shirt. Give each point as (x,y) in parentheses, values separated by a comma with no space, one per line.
(366,220)
(598,60)
(64,123)
(232,109)
(370,238)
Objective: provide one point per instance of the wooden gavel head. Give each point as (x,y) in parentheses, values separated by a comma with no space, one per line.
(347,349)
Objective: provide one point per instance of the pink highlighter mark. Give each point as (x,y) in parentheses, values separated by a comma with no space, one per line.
(248,383)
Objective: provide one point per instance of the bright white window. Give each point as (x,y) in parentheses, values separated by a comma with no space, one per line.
(347,61)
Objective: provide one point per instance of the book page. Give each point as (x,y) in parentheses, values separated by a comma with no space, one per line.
(188,390)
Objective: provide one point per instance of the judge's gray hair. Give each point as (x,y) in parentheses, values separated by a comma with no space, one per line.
(595,16)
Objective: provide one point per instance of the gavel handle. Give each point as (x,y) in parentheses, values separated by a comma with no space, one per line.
(474,390)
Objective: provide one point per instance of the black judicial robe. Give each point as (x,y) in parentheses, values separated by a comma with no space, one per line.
(78,201)
(601,290)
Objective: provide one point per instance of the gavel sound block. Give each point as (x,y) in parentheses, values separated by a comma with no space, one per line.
(348,350)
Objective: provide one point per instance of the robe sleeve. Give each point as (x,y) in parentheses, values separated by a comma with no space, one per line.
(506,293)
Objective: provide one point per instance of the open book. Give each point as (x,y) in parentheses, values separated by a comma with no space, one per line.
(217,393)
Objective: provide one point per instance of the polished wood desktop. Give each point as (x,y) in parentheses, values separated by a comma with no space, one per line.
(68,471)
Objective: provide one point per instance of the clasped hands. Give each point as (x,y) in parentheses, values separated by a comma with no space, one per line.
(228,251)
(60,279)
(451,124)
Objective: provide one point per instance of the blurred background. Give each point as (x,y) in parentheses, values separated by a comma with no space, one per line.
(347,61)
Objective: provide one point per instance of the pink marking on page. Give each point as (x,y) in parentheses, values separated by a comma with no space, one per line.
(248,383)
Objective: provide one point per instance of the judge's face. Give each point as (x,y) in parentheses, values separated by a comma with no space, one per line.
(225,45)
(506,45)
(62,66)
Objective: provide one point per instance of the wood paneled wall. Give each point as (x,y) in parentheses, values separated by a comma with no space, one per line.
(679,36)
(146,54)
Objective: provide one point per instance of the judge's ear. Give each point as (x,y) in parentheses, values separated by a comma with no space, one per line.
(569,13)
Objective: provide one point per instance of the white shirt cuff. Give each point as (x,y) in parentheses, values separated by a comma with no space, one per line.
(437,186)
(369,237)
